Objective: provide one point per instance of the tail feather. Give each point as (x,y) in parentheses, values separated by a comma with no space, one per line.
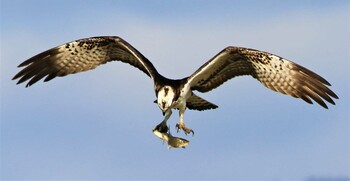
(198,103)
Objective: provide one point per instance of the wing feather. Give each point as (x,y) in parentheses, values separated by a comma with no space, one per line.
(274,72)
(82,55)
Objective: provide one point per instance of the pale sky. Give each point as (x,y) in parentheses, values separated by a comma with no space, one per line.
(97,125)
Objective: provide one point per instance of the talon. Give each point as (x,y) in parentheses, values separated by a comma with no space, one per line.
(188,131)
(184,128)
(163,128)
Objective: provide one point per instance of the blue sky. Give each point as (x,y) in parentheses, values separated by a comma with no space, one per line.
(88,127)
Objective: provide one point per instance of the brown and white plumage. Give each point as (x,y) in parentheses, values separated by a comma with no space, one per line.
(82,55)
(272,71)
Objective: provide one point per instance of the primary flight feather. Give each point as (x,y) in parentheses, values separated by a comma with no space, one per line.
(274,72)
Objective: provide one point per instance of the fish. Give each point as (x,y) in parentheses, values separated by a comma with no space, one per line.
(173,142)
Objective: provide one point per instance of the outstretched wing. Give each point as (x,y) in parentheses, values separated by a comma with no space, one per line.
(82,55)
(274,72)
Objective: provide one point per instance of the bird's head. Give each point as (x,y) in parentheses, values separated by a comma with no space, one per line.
(165,98)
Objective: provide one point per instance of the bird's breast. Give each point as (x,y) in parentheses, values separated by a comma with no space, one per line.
(180,103)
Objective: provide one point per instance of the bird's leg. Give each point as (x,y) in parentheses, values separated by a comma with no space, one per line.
(162,127)
(181,124)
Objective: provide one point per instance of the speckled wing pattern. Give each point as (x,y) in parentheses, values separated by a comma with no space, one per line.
(82,55)
(272,71)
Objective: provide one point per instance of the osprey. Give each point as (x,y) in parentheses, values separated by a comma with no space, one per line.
(274,72)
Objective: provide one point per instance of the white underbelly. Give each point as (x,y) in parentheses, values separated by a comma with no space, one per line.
(181,101)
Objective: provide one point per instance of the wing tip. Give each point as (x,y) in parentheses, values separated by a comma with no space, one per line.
(335,96)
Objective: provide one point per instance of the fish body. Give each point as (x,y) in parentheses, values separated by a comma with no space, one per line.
(173,142)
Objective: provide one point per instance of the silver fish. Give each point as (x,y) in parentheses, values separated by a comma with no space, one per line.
(173,142)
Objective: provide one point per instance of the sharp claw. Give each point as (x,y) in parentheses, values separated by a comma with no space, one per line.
(185,129)
(188,131)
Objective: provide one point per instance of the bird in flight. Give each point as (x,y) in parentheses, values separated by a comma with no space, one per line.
(274,72)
